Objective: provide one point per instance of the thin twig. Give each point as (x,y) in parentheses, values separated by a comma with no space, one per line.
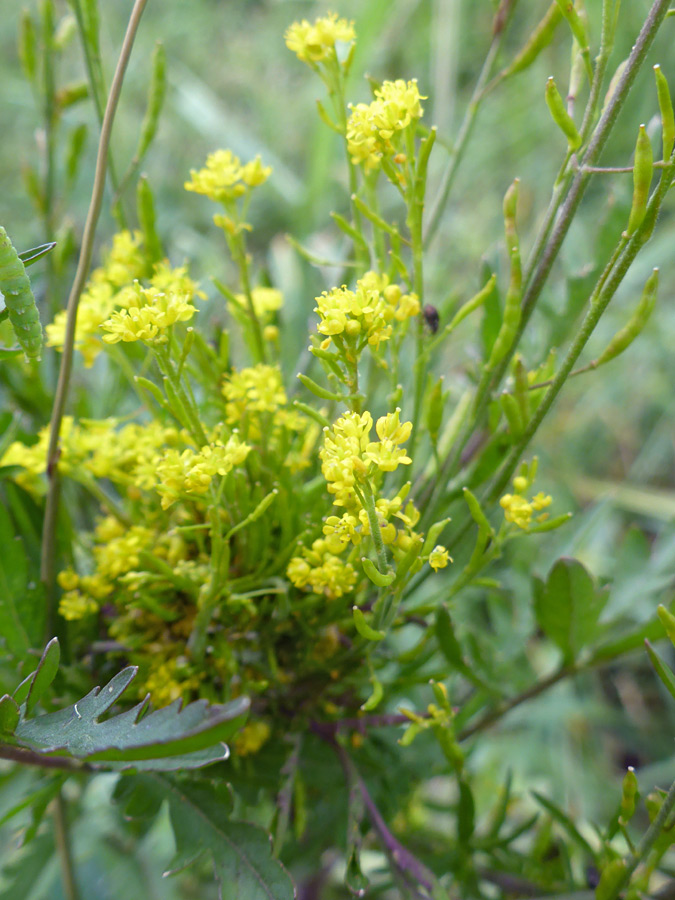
(63,848)
(31,758)
(48,555)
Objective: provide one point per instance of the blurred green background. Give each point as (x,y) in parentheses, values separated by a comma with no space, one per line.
(607,450)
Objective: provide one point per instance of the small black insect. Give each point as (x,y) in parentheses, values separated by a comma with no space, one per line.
(431,317)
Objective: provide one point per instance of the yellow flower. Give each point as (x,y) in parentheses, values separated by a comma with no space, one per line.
(124,261)
(518,509)
(148,314)
(439,558)
(373,127)
(191,472)
(266,300)
(223,179)
(251,738)
(313,43)
(167,682)
(367,311)
(322,570)
(253,390)
(74,605)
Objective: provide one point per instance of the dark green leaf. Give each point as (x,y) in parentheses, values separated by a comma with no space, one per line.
(167,738)
(466,813)
(28,257)
(9,715)
(13,584)
(568,606)
(43,675)
(242,853)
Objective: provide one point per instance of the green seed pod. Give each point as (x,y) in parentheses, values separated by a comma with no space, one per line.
(611,880)
(511,317)
(667,620)
(540,38)
(434,415)
(614,81)
(375,697)
(623,338)
(629,796)
(70,94)
(319,391)
(667,113)
(575,21)
(378,578)
(410,734)
(28,46)
(65,32)
(76,144)
(364,629)
(156,94)
(433,535)
(19,299)
(477,513)
(145,206)
(560,115)
(642,179)
(511,410)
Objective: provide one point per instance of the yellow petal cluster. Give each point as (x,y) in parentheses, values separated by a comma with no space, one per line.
(251,738)
(257,389)
(439,558)
(224,178)
(191,472)
(348,452)
(148,314)
(521,511)
(313,43)
(373,128)
(321,570)
(367,312)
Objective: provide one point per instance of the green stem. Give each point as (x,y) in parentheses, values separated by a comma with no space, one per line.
(48,554)
(63,849)
(365,495)
(241,260)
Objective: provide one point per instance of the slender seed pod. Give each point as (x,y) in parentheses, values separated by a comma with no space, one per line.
(381,579)
(560,116)
(319,391)
(28,46)
(156,94)
(19,299)
(512,413)
(575,21)
(625,336)
(540,38)
(629,796)
(477,513)
(521,388)
(642,179)
(364,629)
(511,318)
(612,880)
(432,536)
(375,697)
(614,83)
(76,144)
(668,621)
(145,206)
(667,113)
(474,303)
(434,415)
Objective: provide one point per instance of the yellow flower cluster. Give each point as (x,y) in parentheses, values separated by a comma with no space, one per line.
(366,313)
(191,472)
(373,128)
(266,300)
(148,314)
(97,447)
(255,389)
(122,264)
(313,43)
(518,509)
(112,286)
(224,178)
(251,738)
(169,680)
(353,525)
(321,570)
(348,452)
